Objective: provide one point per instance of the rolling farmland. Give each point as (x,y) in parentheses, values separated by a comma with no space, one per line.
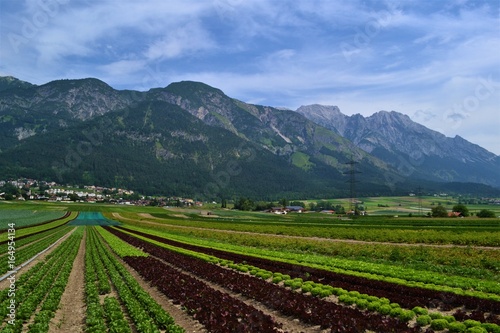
(156,270)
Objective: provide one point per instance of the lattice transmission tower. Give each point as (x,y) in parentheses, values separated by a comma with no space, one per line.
(352,183)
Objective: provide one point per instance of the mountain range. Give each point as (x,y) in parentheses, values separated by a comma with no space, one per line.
(190,139)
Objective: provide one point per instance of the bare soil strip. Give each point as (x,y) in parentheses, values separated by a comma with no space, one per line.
(71,314)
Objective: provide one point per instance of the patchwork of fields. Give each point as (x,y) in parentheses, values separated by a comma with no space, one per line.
(155,270)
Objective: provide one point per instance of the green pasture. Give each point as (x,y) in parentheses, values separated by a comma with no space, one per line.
(72,206)
(404,205)
(24,218)
(390,206)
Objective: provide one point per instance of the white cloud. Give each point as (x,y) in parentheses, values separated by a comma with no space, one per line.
(419,58)
(181,41)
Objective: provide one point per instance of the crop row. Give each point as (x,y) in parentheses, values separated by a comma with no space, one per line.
(22,241)
(374,285)
(38,291)
(27,218)
(478,287)
(20,255)
(23,232)
(118,246)
(309,309)
(430,231)
(147,315)
(217,311)
(467,262)
(380,304)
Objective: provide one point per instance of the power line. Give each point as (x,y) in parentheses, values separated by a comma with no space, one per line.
(419,194)
(352,181)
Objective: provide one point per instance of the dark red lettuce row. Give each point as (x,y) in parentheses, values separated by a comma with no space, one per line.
(308,309)
(217,311)
(407,297)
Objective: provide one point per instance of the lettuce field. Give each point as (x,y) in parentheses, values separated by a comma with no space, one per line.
(151,270)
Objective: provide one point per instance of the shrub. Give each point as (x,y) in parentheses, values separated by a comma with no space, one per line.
(296,284)
(424,320)
(420,310)
(354,293)
(439,324)
(395,305)
(486,213)
(456,327)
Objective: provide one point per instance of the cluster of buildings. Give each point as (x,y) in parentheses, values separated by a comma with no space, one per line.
(30,189)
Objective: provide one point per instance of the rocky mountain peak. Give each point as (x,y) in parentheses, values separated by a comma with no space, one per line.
(391,135)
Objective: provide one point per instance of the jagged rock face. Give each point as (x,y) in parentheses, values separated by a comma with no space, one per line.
(396,139)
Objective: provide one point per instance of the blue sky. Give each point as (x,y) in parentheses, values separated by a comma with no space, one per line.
(435,60)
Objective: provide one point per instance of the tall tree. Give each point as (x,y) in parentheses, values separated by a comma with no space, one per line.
(439,211)
(462,209)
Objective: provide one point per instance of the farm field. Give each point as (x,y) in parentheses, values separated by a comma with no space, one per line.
(144,269)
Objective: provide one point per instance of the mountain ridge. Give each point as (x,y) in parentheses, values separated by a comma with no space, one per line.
(61,113)
(398,140)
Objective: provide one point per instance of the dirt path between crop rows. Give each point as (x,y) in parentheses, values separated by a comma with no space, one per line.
(71,314)
(336,240)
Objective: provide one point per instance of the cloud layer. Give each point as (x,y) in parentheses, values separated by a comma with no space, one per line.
(433,60)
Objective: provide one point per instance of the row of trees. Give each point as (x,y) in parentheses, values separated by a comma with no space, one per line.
(250,205)
(461,209)
(247,204)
